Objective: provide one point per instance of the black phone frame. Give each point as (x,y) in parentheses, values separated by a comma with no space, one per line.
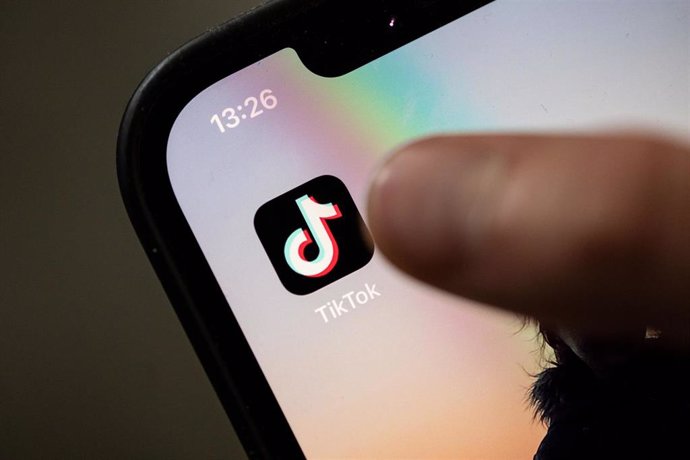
(332,37)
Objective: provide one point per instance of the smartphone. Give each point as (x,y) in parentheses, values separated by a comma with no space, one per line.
(244,159)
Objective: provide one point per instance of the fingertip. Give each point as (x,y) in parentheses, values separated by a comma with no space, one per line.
(422,205)
(391,202)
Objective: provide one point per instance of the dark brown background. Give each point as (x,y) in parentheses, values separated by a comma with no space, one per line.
(93,362)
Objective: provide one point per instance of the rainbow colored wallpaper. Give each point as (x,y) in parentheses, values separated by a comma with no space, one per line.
(413,372)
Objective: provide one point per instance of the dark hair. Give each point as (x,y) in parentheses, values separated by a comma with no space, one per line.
(563,376)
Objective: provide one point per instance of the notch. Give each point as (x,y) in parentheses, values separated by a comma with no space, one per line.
(339,37)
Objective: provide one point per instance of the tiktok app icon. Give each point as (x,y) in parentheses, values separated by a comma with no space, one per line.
(313,235)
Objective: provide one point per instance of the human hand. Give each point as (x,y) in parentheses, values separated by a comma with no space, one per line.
(590,234)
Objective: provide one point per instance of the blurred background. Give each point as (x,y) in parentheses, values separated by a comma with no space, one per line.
(93,362)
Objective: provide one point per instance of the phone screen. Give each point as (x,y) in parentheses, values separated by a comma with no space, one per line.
(270,166)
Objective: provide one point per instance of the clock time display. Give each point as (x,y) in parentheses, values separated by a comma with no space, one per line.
(232,117)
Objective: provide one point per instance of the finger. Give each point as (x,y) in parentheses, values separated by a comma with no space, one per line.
(592,232)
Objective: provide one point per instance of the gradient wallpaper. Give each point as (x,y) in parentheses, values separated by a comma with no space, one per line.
(413,373)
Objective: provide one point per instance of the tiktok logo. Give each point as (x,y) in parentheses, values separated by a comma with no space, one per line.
(315,215)
(313,235)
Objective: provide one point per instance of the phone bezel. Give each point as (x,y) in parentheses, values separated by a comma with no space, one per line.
(153,209)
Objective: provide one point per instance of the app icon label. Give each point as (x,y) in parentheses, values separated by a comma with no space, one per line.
(313,235)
